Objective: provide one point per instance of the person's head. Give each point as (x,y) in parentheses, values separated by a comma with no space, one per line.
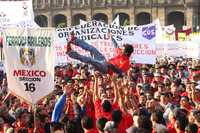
(172,73)
(191,128)
(100,124)
(22,130)
(157,96)
(157,117)
(107,107)
(110,127)
(22,115)
(184,101)
(191,116)
(161,87)
(197,118)
(145,123)
(145,77)
(128,50)
(55,126)
(117,116)
(174,88)
(142,99)
(181,123)
(109,92)
(151,105)
(3,110)
(149,96)
(163,68)
(164,98)
(87,123)
(71,127)
(157,76)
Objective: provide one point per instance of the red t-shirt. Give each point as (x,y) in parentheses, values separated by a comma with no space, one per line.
(99,110)
(92,131)
(121,61)
(19,126)
(171,127)
(126,122)
(199,130)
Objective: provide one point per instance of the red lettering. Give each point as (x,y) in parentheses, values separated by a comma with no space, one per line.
(29,73)
(23,72)
(42,73)
(16,73)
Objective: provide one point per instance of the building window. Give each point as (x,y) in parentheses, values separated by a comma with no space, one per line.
(143,18)
(177,19)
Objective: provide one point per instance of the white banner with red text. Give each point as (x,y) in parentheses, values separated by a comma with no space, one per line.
(29,62)
(186,49)
(96,33)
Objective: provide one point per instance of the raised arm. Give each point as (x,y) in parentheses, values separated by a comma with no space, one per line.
(95,93)
(56,114)
(116,90)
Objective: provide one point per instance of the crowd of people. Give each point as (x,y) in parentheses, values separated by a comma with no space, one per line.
(160,98)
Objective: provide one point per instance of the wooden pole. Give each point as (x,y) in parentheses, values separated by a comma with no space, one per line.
(34,115)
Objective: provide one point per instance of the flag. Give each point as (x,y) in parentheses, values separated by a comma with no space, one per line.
(116,21)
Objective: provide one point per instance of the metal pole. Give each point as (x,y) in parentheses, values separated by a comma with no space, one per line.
(185,15)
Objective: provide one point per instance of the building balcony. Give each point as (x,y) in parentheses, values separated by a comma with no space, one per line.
(120,3)
(57,4)
(142,2)
(41,4)
(99,3)
(80,3)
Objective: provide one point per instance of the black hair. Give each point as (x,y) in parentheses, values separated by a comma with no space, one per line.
(191,128)
(56,126)
(22,130)
(106,106)
(182,122)
(117,116)
(197,116)
(145,123)
(100,123)
(87,122)
(138,130)
(159,117)
(128,50)
(71,126)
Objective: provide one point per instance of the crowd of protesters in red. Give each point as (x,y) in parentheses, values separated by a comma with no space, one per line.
(160,98)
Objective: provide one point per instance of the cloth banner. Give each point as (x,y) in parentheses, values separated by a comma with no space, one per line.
(186,49)
(29,62)
(96,33)
(183,35)
(15,11)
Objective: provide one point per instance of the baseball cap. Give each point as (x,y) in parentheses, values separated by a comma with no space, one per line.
(197,87)
(110,126)
(156,74)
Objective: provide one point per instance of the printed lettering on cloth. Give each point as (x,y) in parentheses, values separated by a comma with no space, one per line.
(186,49)
(96,33)
(15,11)
(29,62)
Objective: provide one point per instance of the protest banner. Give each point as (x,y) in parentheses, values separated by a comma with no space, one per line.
(29,62)
(15,11)
(186,49)
(95,33)
(168,32)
